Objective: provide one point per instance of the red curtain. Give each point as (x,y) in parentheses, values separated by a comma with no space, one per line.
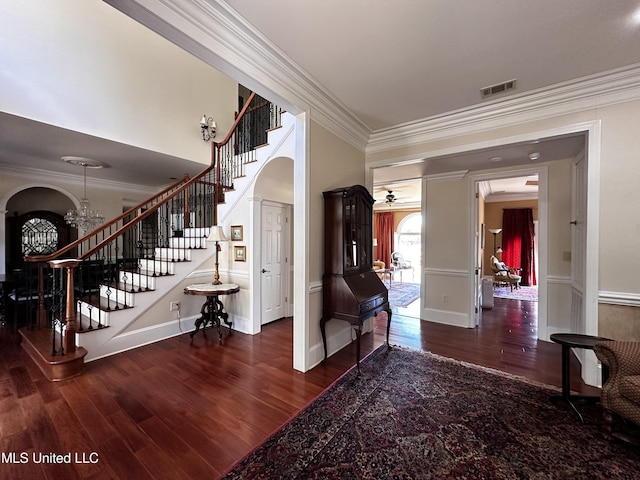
(517,242)
(384,231)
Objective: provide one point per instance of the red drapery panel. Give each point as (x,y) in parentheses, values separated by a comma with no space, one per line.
(384,231)
(517,242)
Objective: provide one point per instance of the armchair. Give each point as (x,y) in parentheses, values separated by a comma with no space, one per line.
(379,267)
(503,275)
(398,264)
(621,392)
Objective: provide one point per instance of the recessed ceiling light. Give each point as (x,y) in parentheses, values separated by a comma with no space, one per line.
(534,156)
(495,159)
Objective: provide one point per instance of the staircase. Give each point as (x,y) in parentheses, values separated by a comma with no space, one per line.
(92,291)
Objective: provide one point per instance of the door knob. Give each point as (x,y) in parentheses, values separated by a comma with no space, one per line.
(264,271)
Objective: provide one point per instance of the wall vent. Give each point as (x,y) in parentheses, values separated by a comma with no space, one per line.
(497,88)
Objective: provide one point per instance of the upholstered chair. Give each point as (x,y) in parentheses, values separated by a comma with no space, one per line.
(621,392)
(502,276)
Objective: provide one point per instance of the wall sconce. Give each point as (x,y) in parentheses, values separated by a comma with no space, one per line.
(208,127)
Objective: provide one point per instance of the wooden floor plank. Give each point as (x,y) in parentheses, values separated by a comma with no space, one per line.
(159,465)
(121,460)
(92,420)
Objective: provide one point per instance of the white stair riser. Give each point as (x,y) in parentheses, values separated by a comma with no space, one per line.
(138,280)
(202,232)
(94,313)
(161,267)
(184,242)
(169,254)
(117,295)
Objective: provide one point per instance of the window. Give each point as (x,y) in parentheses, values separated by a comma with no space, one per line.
(409,241)
(39,237)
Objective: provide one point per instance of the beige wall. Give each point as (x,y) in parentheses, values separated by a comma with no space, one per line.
(620,322)
(333,164)
(446,255)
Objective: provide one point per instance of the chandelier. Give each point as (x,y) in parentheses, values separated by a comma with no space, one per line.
(84,218)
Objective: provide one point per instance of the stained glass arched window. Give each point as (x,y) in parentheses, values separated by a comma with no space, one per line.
(39,236)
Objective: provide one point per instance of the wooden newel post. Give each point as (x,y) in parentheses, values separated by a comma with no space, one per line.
(69,339)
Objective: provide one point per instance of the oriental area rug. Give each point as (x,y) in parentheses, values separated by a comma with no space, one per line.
(402,294)
(415,415)
(522,293)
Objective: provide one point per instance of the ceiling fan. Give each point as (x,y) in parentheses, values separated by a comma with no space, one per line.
(390,198)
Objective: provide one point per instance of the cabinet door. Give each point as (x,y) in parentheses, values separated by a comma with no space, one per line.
(365,233)
(358,233)
(350,215)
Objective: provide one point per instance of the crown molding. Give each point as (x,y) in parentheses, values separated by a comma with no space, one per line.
(509,197)
(218,35)
(76,180)
(212,31)
(378,207)
(605,88)
(447,176)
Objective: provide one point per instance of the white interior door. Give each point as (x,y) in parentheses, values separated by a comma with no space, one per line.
(274,266)
(477,258)
(578,246)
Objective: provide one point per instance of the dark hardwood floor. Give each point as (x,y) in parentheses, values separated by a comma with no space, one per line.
(179,409)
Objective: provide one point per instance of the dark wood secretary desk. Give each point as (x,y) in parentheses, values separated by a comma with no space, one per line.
(351,290)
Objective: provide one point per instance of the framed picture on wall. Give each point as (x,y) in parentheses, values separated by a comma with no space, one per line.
(240,254)
(236,233)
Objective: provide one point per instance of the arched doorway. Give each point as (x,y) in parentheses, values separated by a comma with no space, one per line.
(35,224)
(272,226)
(409,242)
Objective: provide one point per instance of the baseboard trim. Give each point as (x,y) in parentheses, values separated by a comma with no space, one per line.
(455,319)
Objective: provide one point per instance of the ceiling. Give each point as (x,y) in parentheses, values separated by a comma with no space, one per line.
(396,62)
(393,63)
(36,146)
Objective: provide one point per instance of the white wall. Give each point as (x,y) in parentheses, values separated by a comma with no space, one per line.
(82,65)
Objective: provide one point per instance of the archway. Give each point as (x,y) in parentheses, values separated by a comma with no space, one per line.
(271,267)
(41,208)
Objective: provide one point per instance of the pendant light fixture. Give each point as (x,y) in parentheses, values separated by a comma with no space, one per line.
(84,218)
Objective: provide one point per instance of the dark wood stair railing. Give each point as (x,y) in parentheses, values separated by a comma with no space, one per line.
(116,253)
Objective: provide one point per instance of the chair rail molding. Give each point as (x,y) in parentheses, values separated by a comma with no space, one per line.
(619,298)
